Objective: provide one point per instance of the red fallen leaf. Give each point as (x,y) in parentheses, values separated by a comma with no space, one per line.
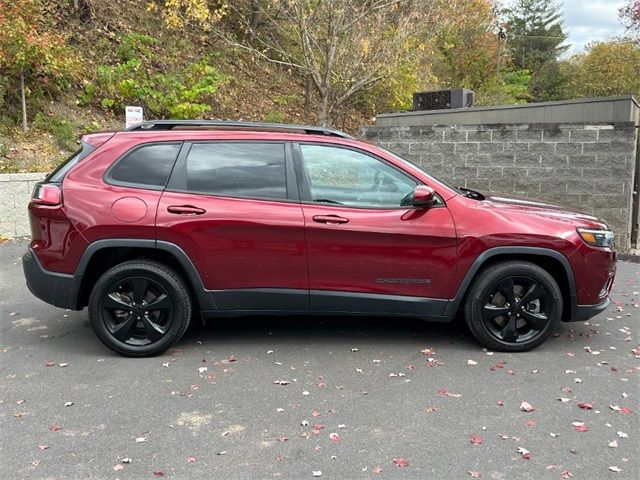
(524,452)
(476,439)
(282,438)
(159,473)
(315,413)
(410,367)
(316,428)
(43,447)
(401,462)
(279,458)
(431,351)
(581,428)
(585,406)
(474,474)
(231,359)
(191,459)
(530,423)
(443,392)
(497,365)
(566,474)
(334,437)
(20,402)
(377,470)
(212,377)
(55,427)
(118,467)
(49,364)
(526,407)
(501,403)
(625,410)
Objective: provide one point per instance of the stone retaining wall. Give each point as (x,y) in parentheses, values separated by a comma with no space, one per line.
(15,193)
(589,167)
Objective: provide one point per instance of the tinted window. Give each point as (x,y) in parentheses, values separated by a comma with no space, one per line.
(344,176)
(61,171)
(237,169)
(147,165)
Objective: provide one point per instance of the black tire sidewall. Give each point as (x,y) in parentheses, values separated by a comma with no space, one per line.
(487,280)
(158,273)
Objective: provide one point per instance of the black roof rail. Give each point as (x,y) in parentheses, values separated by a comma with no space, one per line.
(223,124)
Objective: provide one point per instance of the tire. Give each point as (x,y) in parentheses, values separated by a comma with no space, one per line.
(513,306)
(140,308)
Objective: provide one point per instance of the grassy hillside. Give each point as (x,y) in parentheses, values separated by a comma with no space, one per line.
(105,38)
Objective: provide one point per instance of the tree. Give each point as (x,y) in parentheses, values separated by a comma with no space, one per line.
(605,69)
(29,52)
(343,46)
(630,15)
(536,41)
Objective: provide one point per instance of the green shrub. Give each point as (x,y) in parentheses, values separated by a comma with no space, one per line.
(64,131)
(184,92)
(275,117)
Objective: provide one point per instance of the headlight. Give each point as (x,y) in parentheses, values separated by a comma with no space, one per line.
(596,238)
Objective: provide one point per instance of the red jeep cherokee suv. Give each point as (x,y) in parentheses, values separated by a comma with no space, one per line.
(148,225)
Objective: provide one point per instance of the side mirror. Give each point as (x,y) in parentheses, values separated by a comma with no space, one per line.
(423,196)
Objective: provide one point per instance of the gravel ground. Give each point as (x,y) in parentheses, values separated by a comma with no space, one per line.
(352,398)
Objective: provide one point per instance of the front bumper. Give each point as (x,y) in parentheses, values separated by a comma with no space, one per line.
(585,312)
(54,288)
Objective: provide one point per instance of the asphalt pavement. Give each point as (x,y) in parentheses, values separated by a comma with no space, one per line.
(334,398)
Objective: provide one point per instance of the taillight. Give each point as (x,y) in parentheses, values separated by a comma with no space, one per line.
(47,194)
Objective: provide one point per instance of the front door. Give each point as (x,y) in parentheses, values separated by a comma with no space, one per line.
(368,249)
(233,208)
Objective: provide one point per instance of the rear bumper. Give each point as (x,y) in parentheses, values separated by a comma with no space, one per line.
(585,312)
(54,288)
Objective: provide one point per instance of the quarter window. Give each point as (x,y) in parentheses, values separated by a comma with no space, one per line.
(347,177)
(147,165)
(237,169)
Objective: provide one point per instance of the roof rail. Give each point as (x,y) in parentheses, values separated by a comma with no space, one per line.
(171,124)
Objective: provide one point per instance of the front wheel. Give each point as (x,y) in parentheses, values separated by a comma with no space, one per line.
(513,306)
(140,308)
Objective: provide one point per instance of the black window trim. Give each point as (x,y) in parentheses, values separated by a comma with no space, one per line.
(305,191)
(178,179)
(106,178)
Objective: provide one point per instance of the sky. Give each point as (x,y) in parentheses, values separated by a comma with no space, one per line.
(589,20)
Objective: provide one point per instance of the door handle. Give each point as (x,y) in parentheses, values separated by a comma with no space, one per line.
(330,219)
(185,210)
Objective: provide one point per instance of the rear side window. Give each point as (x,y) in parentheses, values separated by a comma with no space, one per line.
(255,170)
(148,165)
(59,173)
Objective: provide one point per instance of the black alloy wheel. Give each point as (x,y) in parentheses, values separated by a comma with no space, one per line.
(513,306)
(140,308)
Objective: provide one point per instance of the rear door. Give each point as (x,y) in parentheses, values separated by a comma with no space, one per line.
(368,249)
(233,207)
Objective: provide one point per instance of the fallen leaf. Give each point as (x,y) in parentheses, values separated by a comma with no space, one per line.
(55,428)
(281,382)
(126,460)
(615,469)
(446,393)
(401,462)
(585,406)
(334,437)
(501,403)
(377,470)
(471,362)
(159,473)
(202,369)
(623,435)
(581,428)
(474,474)
(625,410)
(43,447)
(317,473)
(432,351)
(613,444)
(526,407)
(191,459)
(140,439)
(476,439)
(68,404)
(566,474)
(530,423)
(524,452)
(118,467)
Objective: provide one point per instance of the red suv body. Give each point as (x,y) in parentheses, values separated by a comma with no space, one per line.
(231,218)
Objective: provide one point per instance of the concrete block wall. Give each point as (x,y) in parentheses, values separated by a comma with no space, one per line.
(587,167)
(15,193)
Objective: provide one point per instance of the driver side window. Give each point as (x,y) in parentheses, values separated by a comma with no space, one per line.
(347,177)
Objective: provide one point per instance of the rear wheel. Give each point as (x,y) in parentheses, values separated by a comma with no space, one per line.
(140,308)
(513,306)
